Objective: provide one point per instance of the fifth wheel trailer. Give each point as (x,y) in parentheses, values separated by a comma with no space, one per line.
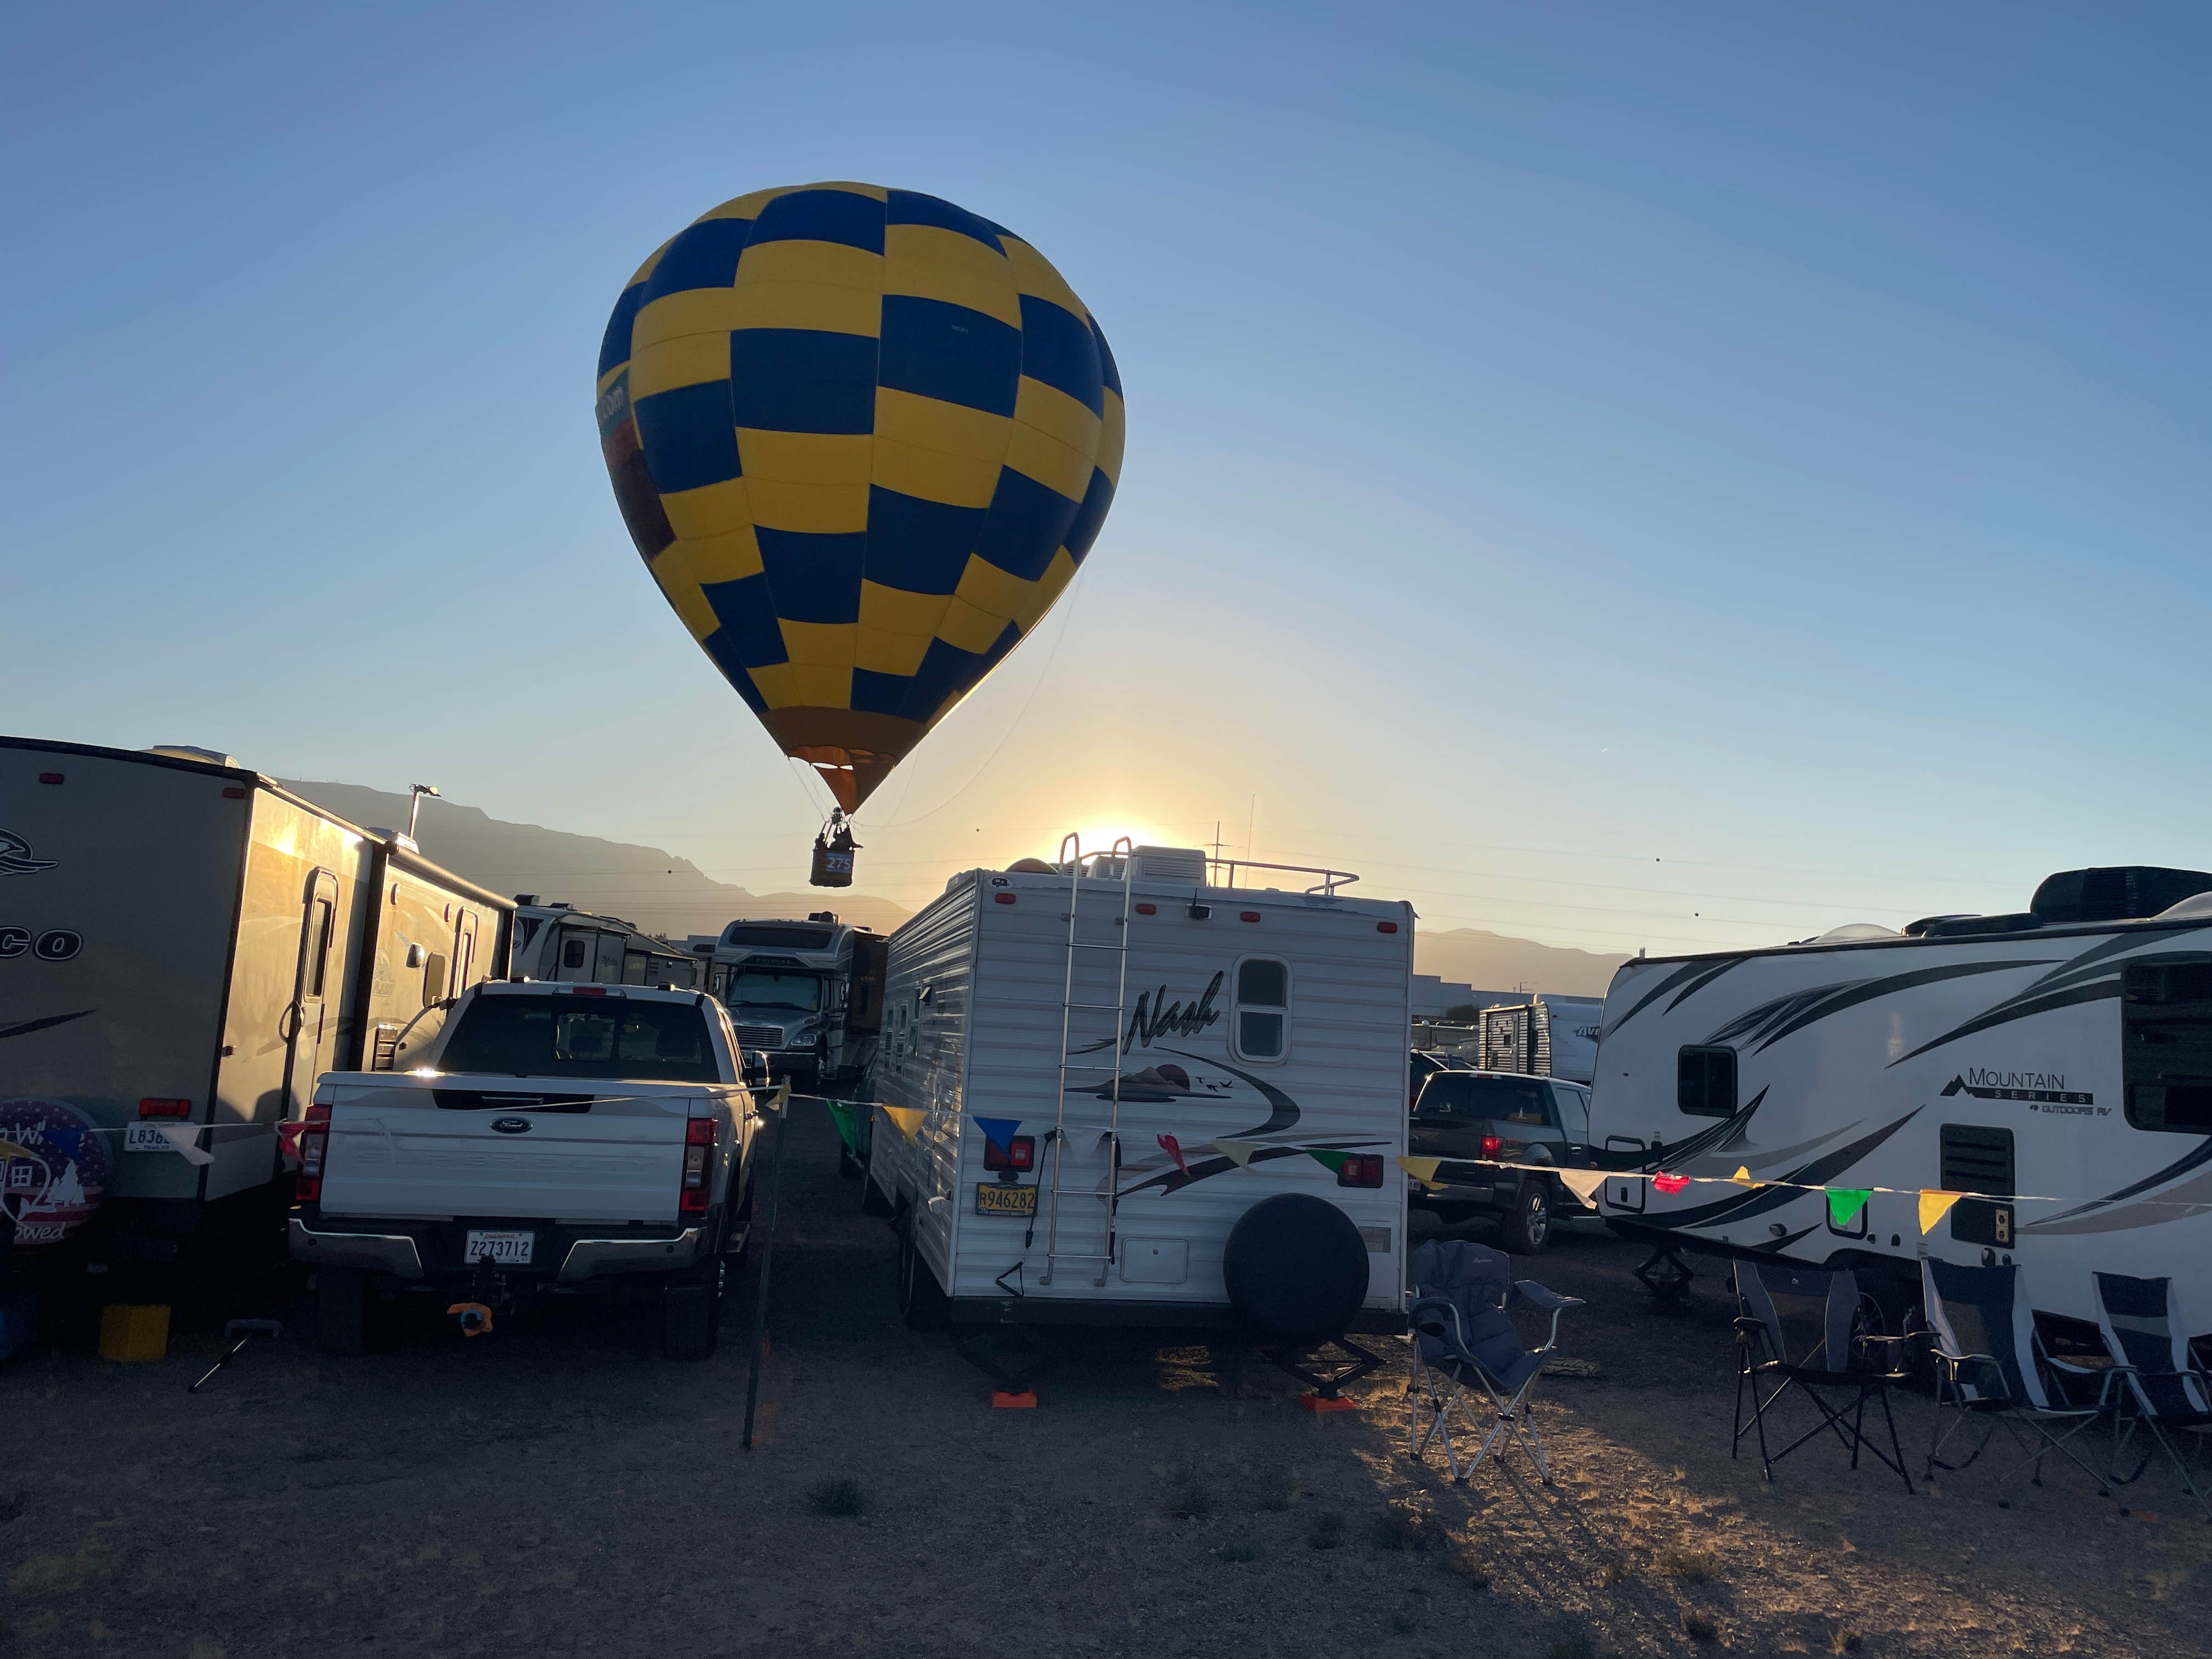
(184,947)
(2054,1066)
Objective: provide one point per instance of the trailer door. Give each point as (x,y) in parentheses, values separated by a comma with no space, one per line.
(307,1034)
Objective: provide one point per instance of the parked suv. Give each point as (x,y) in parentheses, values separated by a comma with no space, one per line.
(1475,1120)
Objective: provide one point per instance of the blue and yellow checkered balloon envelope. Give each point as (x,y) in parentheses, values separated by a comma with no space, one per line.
(863,440)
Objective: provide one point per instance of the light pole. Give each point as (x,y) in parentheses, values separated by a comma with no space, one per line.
(415,804)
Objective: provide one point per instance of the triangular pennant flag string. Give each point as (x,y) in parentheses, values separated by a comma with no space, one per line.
(1423,1169)
(1238,1152)
(1845,1204)
(1742,1176)
(1934,1204)
(999,1130)
(848,1124)
(908,1118)
(1583,1183)
(1328,1158)
(1670,1183)
(185,1137)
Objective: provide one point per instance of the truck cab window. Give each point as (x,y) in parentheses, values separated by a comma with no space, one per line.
(1704,1081)
(1260,1023)
(2166,1046)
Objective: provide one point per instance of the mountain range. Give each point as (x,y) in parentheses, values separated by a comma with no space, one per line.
(664,894)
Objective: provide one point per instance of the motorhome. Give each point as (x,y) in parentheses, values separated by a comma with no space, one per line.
(809,993)
(1543,1036)
(2055,1064)
(1093,1070)
(184,947)
(560,943)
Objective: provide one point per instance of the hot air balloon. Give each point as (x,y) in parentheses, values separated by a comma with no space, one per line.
(863,439)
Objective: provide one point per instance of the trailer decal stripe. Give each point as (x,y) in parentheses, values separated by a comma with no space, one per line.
(1700,971)
(31,1025)
(1867,990)
(2005,1012)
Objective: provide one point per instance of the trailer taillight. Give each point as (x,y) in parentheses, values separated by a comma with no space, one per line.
(1493,1146)
(1018,1153)
(50,777)
(165,1109)
(314,1144)
(1360,1170)
(1148,909)
(1386,926)
(700,1135)
(1002,898)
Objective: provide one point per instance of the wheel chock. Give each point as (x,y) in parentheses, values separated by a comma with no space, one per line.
(475,1318)
(1326,1402)
(1014,1400)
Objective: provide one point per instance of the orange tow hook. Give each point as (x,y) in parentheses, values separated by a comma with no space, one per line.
(475,1318)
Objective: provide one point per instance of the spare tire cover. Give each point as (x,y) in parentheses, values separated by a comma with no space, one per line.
(1296,1268)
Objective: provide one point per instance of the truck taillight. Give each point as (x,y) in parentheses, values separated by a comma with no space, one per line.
(1360,1170)
(165,1109)
(1018,1153)
(700,1135)
(314,1144)
(1493,1146)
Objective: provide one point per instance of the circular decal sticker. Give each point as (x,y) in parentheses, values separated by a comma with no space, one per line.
(53,1170)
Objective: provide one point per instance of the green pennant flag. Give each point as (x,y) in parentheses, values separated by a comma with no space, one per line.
(1327,1157)
(847,1117)
(1845,1204)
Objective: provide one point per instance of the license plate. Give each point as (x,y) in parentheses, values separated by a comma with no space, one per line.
(997,1197)
(508,1249)
(146,1138)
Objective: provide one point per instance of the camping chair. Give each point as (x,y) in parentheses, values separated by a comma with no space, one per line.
(1990,1363)
(1463,1338)
(2141,1323)
(1798,1327)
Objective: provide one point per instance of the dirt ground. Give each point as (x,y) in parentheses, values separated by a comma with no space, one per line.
(554,1490)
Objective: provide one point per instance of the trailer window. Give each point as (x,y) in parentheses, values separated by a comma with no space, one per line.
(1704,1081)
(1262,1010)
(574,951)
(2166,1046)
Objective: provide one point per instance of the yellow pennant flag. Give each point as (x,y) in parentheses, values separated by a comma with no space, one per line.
(1742,1176)
(1423,1169)
(1934,1204)
(1238,1152)
(908,1119)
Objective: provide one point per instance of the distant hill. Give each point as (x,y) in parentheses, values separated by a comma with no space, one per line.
(657,890)
(1472,957)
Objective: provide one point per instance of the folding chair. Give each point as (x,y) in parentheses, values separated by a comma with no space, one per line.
(1990,1363)
(2141,1320)
(1462,1337)
(1799,1328)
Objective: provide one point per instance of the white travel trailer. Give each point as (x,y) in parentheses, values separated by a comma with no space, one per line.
(1108,1063)
(560,943)
(808,993)
(184,947)
(2056,1063)
(1543,1036)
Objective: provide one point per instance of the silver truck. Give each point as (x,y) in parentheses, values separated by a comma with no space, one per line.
(547,1140)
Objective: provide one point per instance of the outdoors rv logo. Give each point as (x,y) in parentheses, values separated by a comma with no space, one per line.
(2042,1091)
(16,858)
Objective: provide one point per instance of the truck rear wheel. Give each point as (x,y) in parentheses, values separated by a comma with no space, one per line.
(1528,1227)
(342,1311)
(691,1313)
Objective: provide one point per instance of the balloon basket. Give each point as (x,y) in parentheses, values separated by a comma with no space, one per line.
(832,867)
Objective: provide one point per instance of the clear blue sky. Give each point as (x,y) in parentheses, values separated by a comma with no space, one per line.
(1618,474)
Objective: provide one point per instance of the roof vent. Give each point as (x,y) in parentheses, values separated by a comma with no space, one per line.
(2126,892)
(188,751)
(1171,864)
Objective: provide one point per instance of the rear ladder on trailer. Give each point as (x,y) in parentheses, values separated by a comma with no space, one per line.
(1106,1194)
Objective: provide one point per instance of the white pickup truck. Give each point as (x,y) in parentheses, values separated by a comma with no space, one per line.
(548,1139)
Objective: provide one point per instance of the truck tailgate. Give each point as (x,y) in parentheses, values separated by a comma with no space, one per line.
(457,1150)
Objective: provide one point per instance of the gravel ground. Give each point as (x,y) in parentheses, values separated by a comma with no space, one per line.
(555,1490)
